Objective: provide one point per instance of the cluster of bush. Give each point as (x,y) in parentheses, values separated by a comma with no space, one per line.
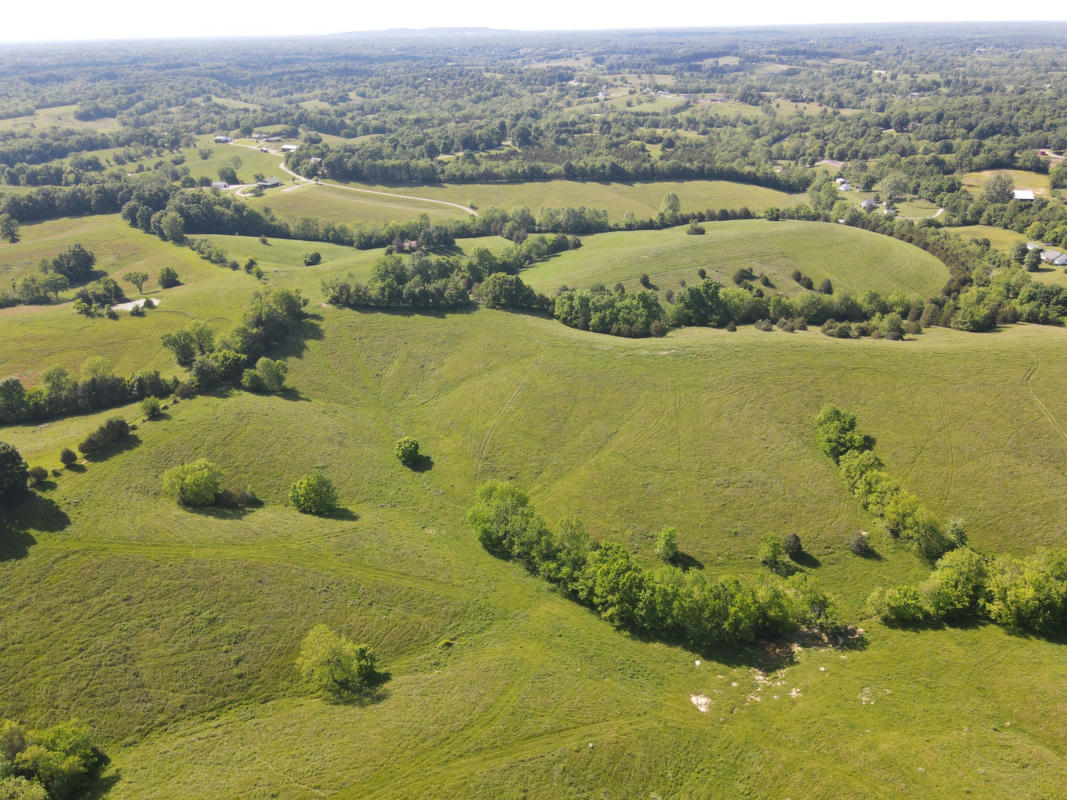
(1025,594)
(667,602)
(60,393)
(272,315)
(879,493)
(336,666)
(111,432)
(56,763)
(426,281)
(618,312)
(880,326)
(71,267)
(199,484)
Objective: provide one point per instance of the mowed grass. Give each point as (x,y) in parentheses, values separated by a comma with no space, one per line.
(975,181)
(643,199)
(326,202)
(173,633)
(853,259)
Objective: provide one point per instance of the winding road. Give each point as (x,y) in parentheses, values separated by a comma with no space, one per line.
(302,179)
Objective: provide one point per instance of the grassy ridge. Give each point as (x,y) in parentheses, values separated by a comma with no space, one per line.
(643,199)
(853,259)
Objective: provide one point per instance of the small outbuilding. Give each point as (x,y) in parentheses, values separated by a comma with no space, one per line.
(1026,195)
(868,205)
(273,139)
(1054,257)
(223,140)
(268,183)
(220,185)
(289,148)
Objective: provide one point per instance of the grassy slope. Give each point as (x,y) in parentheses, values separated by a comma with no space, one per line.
(643,199)
(352,208)
(851,258)
(174,633)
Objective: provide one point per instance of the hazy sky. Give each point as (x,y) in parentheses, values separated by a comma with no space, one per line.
(51,20)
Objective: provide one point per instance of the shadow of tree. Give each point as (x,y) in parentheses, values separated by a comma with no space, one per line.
(684,561)
(806,559)
(344,514)
(422,463)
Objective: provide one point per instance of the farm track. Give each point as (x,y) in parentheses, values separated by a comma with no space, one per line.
(302,179)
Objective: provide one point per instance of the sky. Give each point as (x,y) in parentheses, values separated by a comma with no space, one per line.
(61,20)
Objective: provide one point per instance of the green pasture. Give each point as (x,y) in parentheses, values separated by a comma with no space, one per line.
(336,203)
(55,117)
(643,199)
(173,633)
(853,259)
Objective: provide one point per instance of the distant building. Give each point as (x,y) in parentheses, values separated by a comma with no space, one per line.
(273,139)
(259,136)
(868,205)
(1054,257)
(289,148)
(219,185)
(314,159)
(1024,194)
(223,140)
(1034,246)
(268,183)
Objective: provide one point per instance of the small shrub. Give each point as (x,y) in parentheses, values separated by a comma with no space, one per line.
(645,281)
(731,326)
(313,494)
(335,665)
(695,229)
(168,278)
(312,258)
(764,325)
(792,546)
(703,273)
(771,551)
(195,484)
(184,390)
(56,473)
(68,457)
(860,545)
(151,408)
(407,451)
(37,474)
(137,311)
(667,544)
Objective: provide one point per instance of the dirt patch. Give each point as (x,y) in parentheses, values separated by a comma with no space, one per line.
(132,304)
(701,701)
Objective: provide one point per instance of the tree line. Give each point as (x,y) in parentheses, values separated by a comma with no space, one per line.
(666,603)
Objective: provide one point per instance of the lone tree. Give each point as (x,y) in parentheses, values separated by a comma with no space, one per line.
(168,278)
(9,228)
(792,546)
(334,665)
(1000,188)
(195,484)
(313,494)
(407,450)
(13,473)
(138,279)
(68,457)
(667,544)
(268,376)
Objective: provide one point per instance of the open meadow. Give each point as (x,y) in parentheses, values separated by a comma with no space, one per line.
(851,258)
(497,684)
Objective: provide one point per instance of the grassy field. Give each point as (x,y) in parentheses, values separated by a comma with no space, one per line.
(173,633)
(643,199)
(975,181)
(851,258)
(57,116)
(352,208)
(39,337)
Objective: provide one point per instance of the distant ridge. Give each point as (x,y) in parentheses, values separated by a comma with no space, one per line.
(417,32)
